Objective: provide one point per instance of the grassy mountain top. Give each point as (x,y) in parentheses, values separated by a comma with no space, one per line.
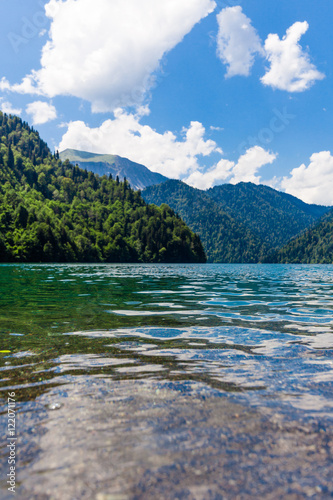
(136,174)
(75,155)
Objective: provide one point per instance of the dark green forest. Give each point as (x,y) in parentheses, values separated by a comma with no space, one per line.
(314,246)
(52,211)
(225,239)
(274,216)
(248,222)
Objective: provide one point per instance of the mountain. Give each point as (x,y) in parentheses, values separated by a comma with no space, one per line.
(274,216)
(137,175)
(237,223)
(225,239)
(314,246)
(51,211)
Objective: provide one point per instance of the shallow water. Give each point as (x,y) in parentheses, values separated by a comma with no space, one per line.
(168,381)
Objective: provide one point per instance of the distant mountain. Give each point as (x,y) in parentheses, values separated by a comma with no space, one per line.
(314,246)
(137,175)
(274,216)
(225,239)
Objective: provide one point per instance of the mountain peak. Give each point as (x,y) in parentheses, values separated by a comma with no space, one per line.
(137,175)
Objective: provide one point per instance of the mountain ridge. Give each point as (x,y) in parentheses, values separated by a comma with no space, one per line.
(245,222)
(224,238)
(274,216)
(136,174)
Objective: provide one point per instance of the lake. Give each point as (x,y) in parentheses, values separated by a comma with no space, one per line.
(167,381)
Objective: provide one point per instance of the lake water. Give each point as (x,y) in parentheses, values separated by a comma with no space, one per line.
(168,381)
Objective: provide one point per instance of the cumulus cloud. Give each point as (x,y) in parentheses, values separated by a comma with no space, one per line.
(126,136)
(4,84)
(250,163)
(291,68)
(7,107)
(237,42)
(41,112)
(25,87)
(217,174)
(165,153)
(312,183)
(245,170)
(107,52)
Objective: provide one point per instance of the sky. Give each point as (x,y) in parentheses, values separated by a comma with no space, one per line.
(205,91)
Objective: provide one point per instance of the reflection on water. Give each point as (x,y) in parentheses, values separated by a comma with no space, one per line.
(149,364)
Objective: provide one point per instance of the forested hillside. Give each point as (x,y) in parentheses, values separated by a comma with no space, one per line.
(274,216)
(51,211)
(224,238)
(314,246)
(240,223)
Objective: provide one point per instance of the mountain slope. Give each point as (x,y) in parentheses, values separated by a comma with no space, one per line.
(224,238)
(51,211)
(274,216)
(314,246)
(137,175)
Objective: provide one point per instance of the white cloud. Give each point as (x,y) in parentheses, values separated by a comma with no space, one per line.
(237,41)
(250,163)
(291,68)
(245,170)
(216,175)
(165,153)
(8,108)
(4,84)
(25,87)
(126,136)
(41,112)
(216,129)
(312,183)
(238,44)
(107,52)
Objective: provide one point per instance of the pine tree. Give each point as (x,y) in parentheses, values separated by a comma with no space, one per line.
(10,158)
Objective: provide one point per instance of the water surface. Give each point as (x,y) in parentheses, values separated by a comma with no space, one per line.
(169,381)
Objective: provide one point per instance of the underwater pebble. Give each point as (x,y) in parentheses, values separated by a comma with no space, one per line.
(54,406)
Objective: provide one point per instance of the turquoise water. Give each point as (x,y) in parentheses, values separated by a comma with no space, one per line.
(177,356)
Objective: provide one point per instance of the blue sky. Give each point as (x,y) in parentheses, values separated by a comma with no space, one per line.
(201,90)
